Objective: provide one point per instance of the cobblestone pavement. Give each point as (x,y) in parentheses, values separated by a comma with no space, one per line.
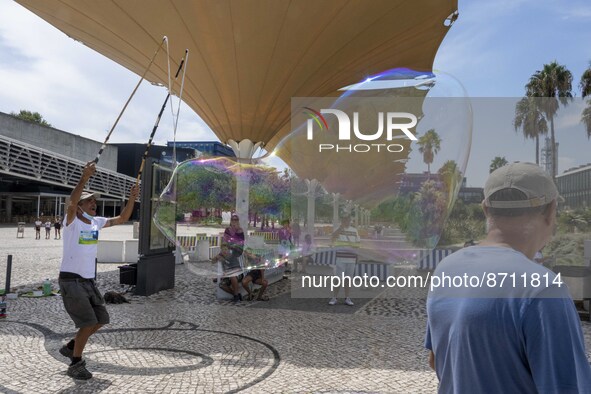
(183,340)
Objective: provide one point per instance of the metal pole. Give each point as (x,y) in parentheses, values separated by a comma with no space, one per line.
(8,273)
(38,205)
(7,290)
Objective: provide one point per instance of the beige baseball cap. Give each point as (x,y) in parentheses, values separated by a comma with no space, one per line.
(528,178)
(87,195)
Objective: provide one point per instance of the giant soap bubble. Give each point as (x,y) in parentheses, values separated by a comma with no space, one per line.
(386,158)
(390,153)
(202,193)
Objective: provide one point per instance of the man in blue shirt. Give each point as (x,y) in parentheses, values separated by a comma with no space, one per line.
(497,321)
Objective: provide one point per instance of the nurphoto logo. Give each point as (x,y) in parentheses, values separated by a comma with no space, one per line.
(392,124)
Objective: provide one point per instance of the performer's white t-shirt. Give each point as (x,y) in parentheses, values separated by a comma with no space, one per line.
(81,245)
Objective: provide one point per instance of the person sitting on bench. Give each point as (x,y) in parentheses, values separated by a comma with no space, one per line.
(232,271)
(256,276)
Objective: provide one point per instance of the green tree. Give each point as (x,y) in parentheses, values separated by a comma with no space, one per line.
(450,174)
(530,119)
(553,83)
(29,116)
(498,162)
(585,85)
(205,186)
(270,193)
(427,215)
(429,145)
(452,180)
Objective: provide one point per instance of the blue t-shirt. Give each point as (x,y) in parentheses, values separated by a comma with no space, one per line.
(510,339)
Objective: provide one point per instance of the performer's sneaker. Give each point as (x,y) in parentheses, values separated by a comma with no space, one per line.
(333,301)
(79,371)
(348,301)
(67,352)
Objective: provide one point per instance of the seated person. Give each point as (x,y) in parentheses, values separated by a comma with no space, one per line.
(284,235)
(256,276)
(234,235)
(307,252)
(232,271)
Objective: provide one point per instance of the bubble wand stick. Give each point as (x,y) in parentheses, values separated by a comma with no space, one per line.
(139,175)
(104,145)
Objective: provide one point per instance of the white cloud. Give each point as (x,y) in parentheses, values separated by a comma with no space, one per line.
(570,116)
(77,89)
(565,163)
(580,12)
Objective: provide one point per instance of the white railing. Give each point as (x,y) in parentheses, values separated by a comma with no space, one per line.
(26,161)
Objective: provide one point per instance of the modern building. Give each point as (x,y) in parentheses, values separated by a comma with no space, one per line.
(471,195)
(574,185)
(412,182)
(208,148)
(39,166)
(130,156)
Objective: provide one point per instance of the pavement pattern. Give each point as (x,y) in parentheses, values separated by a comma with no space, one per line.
(184,340)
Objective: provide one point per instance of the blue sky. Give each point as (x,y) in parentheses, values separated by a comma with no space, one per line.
(493,48)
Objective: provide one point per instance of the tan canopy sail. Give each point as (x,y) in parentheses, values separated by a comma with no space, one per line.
(248,58)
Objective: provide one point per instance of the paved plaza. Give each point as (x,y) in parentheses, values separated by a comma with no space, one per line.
(183,340)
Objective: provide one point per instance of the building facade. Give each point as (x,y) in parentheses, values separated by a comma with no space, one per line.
(130,156)
(574,185)
(208,148)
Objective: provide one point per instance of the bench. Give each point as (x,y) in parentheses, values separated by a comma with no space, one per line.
(328,259)
(272,275)
(428,259)
(187,242)
(271,238)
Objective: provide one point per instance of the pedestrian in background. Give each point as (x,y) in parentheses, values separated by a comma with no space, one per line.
(58,227)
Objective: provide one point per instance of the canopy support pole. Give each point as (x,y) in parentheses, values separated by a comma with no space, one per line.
(244,151)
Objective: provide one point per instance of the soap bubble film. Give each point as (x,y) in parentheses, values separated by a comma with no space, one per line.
(372,173)
(203,193)
(390,153)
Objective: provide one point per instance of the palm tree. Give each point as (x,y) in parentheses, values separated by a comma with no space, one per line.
(553,83)
(497,162)
(586,91)
(585,83)
(586,118)
(530,119)
(429,145)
